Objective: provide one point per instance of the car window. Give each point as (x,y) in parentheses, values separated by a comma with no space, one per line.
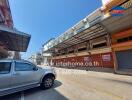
(5,67)
(23,67)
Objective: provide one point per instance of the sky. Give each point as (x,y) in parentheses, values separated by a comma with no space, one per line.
(46,19)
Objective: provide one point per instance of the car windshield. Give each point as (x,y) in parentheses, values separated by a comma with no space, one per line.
(5,67)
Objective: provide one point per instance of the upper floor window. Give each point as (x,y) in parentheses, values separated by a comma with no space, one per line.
(124,39)
(100,45)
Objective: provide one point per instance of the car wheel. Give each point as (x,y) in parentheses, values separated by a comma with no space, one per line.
(47,82)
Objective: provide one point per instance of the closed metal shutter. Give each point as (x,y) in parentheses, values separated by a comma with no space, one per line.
(124,59)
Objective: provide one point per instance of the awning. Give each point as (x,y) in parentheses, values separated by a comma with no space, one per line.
(87,34)
(13,39)
(114,24)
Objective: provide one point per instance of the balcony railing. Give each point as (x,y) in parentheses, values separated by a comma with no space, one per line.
(89,21)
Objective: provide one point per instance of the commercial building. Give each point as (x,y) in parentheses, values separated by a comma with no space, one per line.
(12,41)
(36,58)
(46,59)
(42,58)
(121,35)
(102,40)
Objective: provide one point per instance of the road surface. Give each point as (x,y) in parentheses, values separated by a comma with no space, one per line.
(81,85)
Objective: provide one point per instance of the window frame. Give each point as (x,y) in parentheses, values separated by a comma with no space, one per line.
(99,45)
(9,67)
(24,63)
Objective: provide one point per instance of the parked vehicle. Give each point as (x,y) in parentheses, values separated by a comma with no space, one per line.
(19,75)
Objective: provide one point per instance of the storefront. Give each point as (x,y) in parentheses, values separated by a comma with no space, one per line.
(122,50)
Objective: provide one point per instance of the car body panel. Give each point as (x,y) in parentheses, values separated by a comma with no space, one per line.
(16,81)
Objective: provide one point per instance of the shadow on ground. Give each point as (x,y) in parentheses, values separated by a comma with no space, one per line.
(113,80)
(38,94)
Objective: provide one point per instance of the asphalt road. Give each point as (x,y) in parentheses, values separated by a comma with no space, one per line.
(81,85)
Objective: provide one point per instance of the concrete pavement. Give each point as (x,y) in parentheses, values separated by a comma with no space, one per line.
(81,85)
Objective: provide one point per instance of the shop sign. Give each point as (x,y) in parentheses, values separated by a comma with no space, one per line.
(117,11)
(106,57)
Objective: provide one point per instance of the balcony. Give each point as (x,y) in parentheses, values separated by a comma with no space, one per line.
(77,29)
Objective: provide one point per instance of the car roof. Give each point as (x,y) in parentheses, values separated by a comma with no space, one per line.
(10,60)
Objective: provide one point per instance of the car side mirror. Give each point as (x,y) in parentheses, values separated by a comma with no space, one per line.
(35,68)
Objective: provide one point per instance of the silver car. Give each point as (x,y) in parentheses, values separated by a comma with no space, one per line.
(19,75)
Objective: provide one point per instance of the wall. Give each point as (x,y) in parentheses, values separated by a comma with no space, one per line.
(104,60)
(5,14)
(125,42)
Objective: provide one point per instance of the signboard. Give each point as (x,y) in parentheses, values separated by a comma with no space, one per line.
(97,60)
(106,57)
(117,11)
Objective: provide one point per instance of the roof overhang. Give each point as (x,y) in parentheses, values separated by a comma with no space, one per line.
(14,40)
(87,34)
(115,24)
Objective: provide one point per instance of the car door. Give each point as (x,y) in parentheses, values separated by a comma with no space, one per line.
(5,76)
(24,74)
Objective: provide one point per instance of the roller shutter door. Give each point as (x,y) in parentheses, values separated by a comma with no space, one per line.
(124,59)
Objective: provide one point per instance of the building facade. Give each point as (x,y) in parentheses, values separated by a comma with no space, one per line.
(121,39)
(101,40)
(46,59)
(36,59)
